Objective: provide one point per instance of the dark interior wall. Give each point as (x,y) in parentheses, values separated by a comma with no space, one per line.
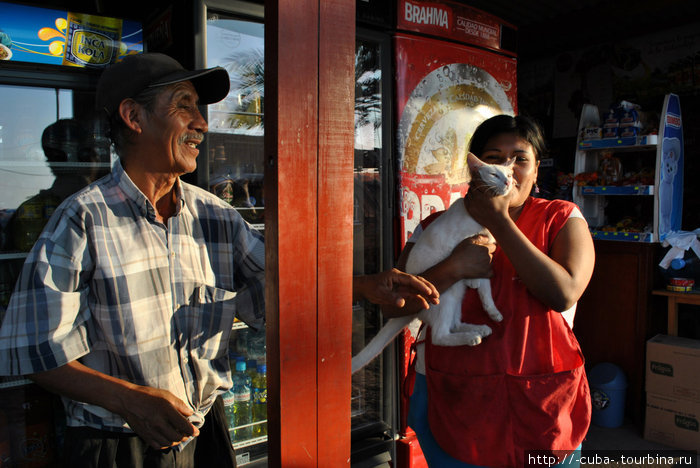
(640,69)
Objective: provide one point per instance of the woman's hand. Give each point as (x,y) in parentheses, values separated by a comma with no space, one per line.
(472,257)
(486,209)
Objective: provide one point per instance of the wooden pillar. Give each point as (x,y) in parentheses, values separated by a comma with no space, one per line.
(309,108)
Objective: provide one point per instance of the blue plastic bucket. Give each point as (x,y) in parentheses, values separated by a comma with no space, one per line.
(608,387)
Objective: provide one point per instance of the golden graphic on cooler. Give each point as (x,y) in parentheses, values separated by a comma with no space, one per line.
(435,128)
(433,132)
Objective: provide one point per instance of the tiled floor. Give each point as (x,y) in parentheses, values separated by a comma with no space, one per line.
(619,439)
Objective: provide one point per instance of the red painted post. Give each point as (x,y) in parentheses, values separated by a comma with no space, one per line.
(309,90)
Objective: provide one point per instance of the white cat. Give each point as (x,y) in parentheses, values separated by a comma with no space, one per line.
(434,245)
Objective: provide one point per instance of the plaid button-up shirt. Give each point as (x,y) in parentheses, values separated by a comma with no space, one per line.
(128,296)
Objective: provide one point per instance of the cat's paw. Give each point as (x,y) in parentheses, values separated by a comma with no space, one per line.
(495,315)
(481,330)
(473,341)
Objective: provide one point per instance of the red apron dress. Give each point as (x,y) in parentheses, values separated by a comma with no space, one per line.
(523,388)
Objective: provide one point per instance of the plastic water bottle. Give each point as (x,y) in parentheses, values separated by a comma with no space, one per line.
(229,411)
(242,403)
(260,401)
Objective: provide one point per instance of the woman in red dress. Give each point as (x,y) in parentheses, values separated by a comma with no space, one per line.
(523,391)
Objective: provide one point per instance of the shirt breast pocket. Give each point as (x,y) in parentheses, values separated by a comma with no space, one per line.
(212,319)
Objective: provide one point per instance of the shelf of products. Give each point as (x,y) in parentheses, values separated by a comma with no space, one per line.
(628,178)
(617,190)
(620,143)
(56,165)
(13,255)
(11,382)
(236,173)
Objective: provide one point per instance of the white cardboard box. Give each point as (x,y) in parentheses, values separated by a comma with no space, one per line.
(672,421)
(673,367)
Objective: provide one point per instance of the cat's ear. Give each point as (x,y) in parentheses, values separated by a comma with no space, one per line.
(474,162)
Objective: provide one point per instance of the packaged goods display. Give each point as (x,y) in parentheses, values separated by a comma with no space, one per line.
(628,176)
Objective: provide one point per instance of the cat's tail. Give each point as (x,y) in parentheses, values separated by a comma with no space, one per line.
(388,332)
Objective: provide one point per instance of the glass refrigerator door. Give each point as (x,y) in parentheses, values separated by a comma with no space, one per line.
(373,387)
(234,172)
(50,147)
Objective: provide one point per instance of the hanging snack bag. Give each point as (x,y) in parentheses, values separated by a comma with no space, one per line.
(92,41)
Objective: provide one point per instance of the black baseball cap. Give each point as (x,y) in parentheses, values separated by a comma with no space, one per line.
(135,73)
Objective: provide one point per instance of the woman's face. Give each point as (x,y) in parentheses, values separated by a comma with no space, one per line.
(506,148)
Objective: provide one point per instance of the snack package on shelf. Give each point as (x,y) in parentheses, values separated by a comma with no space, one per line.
(630,125)
(611,123)
(610,169)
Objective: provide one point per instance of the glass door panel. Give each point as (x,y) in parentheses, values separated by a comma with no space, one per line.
(373,402)
(234,172)
(50,147)
(235,139)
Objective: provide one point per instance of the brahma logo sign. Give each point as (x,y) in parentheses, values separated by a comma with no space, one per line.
(427,14)
(673,120)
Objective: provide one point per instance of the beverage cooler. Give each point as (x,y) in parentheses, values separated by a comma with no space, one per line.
(453,67)
(51,145)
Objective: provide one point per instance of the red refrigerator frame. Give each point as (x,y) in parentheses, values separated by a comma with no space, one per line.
(453,69)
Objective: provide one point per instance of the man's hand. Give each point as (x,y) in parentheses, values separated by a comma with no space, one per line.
(158,417)
(394,287)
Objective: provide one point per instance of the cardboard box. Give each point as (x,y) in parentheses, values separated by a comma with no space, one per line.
(673,367)
(672,421)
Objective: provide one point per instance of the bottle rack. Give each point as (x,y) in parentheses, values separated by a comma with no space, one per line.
(657,203)
(255,446)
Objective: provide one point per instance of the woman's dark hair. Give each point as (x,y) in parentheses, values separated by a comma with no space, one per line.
(523,127)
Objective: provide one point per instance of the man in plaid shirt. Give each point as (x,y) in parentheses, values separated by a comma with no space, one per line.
(125,304)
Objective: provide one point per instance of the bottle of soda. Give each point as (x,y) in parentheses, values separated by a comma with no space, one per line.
(228,400)
(242,403)
(260,401)
(252,369)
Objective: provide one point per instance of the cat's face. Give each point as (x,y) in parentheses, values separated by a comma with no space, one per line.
(497,178)
(511,149)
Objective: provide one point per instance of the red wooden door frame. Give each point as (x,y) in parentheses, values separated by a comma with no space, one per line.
(309,108)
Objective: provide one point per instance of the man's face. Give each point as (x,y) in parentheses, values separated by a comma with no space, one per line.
(174,128)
